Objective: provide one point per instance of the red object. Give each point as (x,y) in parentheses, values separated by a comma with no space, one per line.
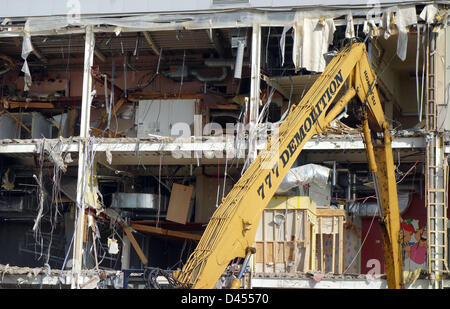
(407,227)
(318,277)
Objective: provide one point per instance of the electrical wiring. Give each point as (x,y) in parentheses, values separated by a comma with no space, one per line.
(109,107)
(218,183)
(140,83)
(56,192)
(41,199)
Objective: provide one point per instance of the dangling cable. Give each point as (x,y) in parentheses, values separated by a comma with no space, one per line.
(159,191)
(182,72)
(218,183)
(111,98)
(417,72)
(423,71)
(224,177)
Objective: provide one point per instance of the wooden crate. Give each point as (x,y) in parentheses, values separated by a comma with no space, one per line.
(285,240)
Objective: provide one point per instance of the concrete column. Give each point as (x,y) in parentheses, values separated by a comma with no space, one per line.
(82,158)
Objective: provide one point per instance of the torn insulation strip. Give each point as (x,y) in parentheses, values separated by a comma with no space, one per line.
(27,48)
(405,17)
(283,42)
(350,27)
(429,13)
(312,36)
(387,22)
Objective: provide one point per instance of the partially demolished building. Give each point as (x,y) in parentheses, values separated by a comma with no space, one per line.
(123,124)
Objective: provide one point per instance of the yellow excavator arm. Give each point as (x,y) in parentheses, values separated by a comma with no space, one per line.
(231,230)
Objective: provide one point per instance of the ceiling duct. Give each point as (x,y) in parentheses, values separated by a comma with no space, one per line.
(214,63)
(371,208)
(212,78)
(178,71)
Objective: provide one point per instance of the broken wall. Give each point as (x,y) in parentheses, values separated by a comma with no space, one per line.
(207,196)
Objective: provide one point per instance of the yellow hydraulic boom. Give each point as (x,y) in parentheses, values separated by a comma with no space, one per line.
(232,228)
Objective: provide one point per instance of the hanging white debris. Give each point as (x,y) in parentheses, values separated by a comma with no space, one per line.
(429,13)
(283,42)
(387,21)
(350,27)
(405,17)
(312,36)
(27,48)
(368,25)
(68,158)
(108,156)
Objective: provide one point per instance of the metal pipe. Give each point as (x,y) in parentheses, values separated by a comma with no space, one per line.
(354,187)
(369,146)
(219,63)
(349,187)
(351,92)
(377,192)
(239,60)
(236,284)
(334,174)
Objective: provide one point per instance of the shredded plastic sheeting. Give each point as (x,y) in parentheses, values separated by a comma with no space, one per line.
(305,174)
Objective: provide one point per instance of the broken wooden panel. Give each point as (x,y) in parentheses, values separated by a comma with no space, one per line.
(179,204)
(206,196)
